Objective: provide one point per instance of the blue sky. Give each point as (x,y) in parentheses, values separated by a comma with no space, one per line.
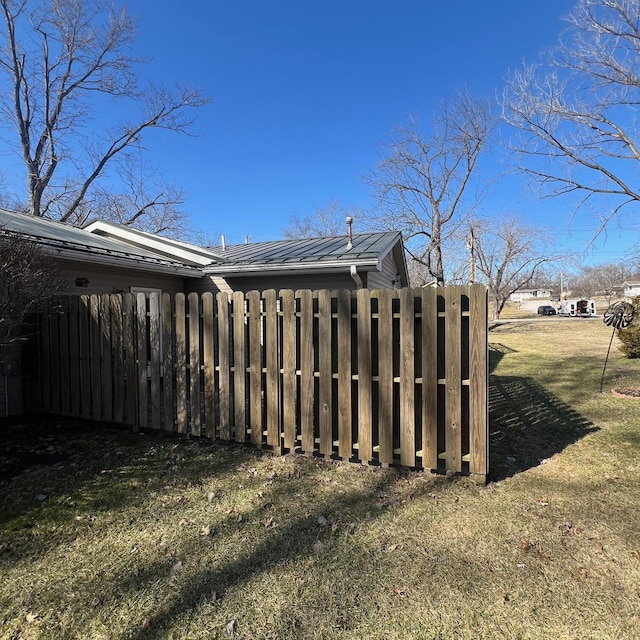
(305,92)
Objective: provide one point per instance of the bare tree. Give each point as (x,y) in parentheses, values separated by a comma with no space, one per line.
(29,278)
(426,185)
(149,203)
(326,221)
(508,255)
(575,111)
(602,280)
(62,62)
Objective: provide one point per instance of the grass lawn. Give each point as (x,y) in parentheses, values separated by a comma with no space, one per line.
(109,534)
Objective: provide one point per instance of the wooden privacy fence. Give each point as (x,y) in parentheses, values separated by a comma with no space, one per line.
(389,377)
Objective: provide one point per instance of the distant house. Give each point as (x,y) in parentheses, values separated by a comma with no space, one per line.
(630,289)
(530,294)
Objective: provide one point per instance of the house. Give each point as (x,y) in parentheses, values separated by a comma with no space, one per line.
(529,294)
(91,263)
(103,257)
(369,260)
(630,289)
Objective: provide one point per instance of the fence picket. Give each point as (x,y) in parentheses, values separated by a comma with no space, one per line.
(239,368)
(307,436)
(365,390)
(94,359)
(168,421)
(272,366)
(107,363)
(143,361)
(154,358)
(65,373)
(74,356)
(208,363)
(478,375)
(85,353)
(224,377)
(54,337)
(325,371)
(385,377)
(181,364)
(255,366)
(453,413)
(288,368)
(429,364)
(407,379)
(130,358)
(115,303)
(194,363)
(344,374)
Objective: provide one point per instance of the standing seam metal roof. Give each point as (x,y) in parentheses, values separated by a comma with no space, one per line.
(58,235)
(366,246)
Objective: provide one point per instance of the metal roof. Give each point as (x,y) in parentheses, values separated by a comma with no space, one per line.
(75,243)
(367,249)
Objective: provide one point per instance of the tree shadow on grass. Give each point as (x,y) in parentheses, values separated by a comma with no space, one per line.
(528,425)
(52,469)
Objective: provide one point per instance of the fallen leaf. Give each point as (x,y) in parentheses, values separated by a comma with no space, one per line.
(322,521)
(177,567)
(318,547)
(598,546)
(400,592)
(33,618)
(41,497)
(230,628)
(206,531)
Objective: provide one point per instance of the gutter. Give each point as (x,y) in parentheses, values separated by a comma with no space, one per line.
(356,276)
(239,270)
(126,262)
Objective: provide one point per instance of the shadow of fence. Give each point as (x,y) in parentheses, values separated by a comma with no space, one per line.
(528,425)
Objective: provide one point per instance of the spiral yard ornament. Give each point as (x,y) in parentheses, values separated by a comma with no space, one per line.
(618,315)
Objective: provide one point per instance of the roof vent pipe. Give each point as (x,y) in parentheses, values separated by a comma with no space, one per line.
(223,243)
(349,233)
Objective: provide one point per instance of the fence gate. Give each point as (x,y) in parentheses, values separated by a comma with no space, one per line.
(382,377)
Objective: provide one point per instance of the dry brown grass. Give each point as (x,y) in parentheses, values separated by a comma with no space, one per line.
(142,536)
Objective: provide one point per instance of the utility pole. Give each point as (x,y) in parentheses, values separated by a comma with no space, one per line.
(472,260)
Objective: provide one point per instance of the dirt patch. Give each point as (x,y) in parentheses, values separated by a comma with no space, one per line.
(633,393)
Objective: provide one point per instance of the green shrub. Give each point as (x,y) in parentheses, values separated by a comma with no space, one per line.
(630,336)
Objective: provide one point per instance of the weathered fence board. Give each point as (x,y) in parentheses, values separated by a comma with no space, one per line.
(384,377)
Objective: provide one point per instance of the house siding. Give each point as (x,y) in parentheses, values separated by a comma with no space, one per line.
(111,279)
(386,277)
(331,281)
(207,284)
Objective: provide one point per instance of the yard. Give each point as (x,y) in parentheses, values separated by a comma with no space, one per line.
(109,534)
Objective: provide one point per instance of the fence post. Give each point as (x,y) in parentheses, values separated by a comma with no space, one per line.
(478,384)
